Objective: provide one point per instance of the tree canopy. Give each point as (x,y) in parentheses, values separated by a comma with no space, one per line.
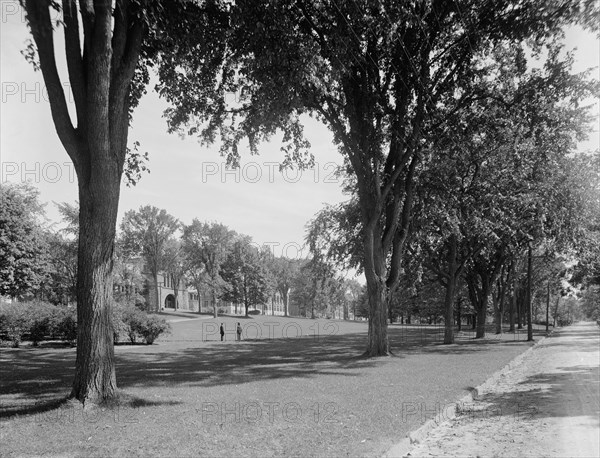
(380,75)
(22,269)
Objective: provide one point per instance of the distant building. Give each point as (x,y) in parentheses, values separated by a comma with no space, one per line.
(189,299)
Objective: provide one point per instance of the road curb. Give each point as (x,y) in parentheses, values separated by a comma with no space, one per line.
(403,448)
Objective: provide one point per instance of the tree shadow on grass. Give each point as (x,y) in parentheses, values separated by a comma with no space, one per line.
(37,408)
(427,340)
(32,377)
(224,363)
(35,381)
(230,362)
(64,403)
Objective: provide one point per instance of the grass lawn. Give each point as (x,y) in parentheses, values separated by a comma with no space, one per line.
(293,387)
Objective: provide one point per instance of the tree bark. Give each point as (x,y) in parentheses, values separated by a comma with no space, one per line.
(520,306)
(450,288)
(555,314)
(155,291)
(378,336)
(481,316)
(175,291)
(449,306)
(498,315)
(198,287)
(458,314)
(548,307)
(529,298)
(479,286)
(95,378)
(377,294)
(512,310)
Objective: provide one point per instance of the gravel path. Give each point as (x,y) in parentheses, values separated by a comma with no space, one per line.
(548,405)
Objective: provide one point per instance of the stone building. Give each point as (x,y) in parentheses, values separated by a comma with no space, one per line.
(188,299)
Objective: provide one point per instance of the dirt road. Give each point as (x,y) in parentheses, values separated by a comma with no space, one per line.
(549,405)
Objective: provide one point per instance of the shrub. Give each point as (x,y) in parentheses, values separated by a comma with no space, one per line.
(134,323)
(118,326)
(37,321)
(130,321)
(64,326)
(253,312)
(15,321)
(152,327)
(40,321)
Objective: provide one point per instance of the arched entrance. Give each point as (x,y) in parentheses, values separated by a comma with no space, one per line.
(170,302)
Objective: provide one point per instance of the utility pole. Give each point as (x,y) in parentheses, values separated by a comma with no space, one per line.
(529,324)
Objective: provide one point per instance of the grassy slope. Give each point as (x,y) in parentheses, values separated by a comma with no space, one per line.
(190,394)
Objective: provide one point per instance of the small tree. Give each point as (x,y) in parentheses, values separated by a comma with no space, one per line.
(284,271)
(146,233)
(22,241)
(246,276)
(176,266)
(207,246)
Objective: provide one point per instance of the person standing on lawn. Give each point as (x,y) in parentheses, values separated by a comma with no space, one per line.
(239,331)
(222,332)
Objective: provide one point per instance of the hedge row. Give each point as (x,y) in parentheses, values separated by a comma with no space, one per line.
(37,321)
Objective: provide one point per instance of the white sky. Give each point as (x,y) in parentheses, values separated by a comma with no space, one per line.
(186,180)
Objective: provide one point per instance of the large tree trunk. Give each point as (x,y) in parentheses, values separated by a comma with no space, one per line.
(100,74)
(95,378)
(377,294)
(286,299)
(377,344)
